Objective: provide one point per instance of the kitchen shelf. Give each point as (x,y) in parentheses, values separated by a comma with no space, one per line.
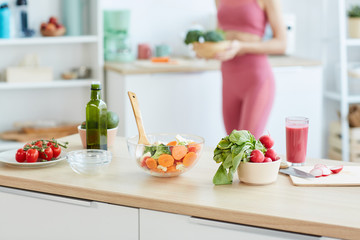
(48,40)
(352,99)
(53,84)
(353,42)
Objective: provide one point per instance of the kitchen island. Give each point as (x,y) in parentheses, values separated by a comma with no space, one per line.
(126,203)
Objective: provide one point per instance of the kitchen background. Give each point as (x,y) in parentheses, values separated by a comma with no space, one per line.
(315,84)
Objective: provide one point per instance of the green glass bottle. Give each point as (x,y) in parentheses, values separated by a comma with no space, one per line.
(96,125)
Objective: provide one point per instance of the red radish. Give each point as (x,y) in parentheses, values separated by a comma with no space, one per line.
(336,169)
(267,159)
(143,162)
(277,158)
(267,141)
(319,165)
(316,172)
(256,156)
(326,171)
(270,153)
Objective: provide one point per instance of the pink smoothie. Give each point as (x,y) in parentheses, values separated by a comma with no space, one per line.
(296,142)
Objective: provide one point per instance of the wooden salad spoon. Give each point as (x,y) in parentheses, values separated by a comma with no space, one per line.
(135,106)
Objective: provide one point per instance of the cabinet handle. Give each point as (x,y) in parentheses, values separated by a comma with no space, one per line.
(46,196)
(257,231)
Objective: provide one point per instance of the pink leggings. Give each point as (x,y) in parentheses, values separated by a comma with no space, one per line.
(248,93)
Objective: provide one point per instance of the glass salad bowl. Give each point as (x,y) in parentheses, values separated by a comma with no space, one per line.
(89,161)
(168,155)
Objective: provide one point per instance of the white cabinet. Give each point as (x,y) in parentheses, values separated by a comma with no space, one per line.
(169,102)
(31,215)
(192,103)
(164,226)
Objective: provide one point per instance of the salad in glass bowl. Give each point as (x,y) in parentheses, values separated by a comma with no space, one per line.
(168,155)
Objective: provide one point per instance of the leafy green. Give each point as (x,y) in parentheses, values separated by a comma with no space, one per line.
(193,36)
(150,149)
(354,11)
(213,36)
(209,36)
(161,149)
(230,151)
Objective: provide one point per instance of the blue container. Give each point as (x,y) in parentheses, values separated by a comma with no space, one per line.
(4,21)
(72,13)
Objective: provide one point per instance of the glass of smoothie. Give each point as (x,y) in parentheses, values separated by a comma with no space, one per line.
(296,139)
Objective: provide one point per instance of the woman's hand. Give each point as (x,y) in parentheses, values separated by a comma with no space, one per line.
(235,48)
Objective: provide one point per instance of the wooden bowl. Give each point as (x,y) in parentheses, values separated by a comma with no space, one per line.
(53,33)
(210,49)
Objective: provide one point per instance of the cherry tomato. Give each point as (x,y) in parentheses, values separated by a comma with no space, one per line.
(47,154)
(28,145)
(20,155)
(32,155)
(39,144)
(56,151)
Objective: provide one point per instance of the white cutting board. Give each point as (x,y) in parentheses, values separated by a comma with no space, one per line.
(349,176)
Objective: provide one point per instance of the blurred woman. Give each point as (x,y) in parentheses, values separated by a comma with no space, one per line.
(248,81)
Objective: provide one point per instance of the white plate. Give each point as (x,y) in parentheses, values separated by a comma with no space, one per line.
(8,158)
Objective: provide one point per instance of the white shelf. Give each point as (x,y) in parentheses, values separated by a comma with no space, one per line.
(333,95)
(53,84)
(48,40)
(353,42)
(352,99)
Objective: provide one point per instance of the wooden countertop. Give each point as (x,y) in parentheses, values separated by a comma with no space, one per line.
(196,65)
(324,211)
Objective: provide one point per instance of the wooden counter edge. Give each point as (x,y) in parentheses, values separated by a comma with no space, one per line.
(275,61)
(271,222)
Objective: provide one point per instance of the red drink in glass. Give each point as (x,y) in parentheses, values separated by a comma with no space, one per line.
(296,139)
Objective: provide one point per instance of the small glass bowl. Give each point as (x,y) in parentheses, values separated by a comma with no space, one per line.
(179,166)
(89,161)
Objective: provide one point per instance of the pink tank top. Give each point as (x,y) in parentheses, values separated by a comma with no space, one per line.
(242,15)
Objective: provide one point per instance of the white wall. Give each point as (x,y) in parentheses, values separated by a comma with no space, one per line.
(165,21)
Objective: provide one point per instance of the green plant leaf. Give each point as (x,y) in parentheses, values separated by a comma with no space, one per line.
(221,176)
(228,161)
(239,137)
(224,144)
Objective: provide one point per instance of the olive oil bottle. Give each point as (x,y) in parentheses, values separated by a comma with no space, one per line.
(96,119)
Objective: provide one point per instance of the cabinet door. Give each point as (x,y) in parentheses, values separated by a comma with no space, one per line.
(164,226)
(31,215)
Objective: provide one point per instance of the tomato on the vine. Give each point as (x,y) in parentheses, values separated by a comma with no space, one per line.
(39,144)
(47,154)
(20,155)
(32,155)
(28,145)
(56,151)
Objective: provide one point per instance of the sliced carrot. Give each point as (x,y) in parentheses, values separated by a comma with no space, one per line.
(189,159)
(194,147)
(157,170)
(160,59)
(151,163)
(178,152)
(166,160)
(173,143)
(172,169)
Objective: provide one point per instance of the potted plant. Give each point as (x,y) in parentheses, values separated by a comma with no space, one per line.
(354,21)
